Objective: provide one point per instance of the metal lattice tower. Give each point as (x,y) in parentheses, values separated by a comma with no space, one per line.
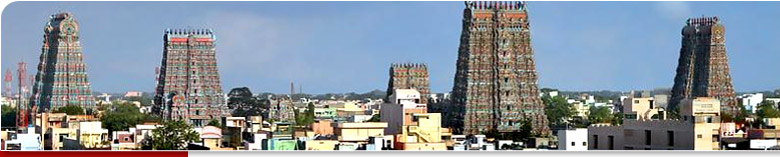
(496,79)
(23,108)
(188,86)
(7,79)
(62,76)
(703,69)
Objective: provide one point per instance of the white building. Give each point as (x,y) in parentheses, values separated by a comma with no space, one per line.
(576,139)
(29,141)
(106,97)
(398,112)
(751,101)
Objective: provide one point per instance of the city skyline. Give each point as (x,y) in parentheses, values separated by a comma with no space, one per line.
(295,45)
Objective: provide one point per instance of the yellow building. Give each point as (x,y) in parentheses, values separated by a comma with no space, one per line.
(398,112)
(350,108)
(423,133)
(57,136)
(359,132)
(640,108)
(212,138)
(92,135)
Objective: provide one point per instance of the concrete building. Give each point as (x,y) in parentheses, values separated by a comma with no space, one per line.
(325,113)
(424,132)
(29,141)
(123,140)
(232,131)
(92,135)
(697,130)
(640,108)
(751,101)
(398,112)
(776,101)
(133,94)
(211,137)
(661,100)
(321,144)
(359,132)
(581,108)
(143,132)
(359,118)
(280,144)
(322,127)
(573,139)
(765,138)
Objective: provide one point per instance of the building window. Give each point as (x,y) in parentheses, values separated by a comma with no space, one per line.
(584,143)
(698,136)
(596,141)
(572,143)
(670,137)
(651,104)
(648,137)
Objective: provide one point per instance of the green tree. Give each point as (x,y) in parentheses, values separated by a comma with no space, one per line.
(306,118)
(9,116)
(299,118)
(558,111)
(525,133)
(70,110)
(617,118)
(739,117)
(121,116)
(600,115)
(766,109)
(215,123)
(145,101)
(375,118)
(173,135)
(243,104)
(310,113)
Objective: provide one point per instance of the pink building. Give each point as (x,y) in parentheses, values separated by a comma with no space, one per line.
(322,127)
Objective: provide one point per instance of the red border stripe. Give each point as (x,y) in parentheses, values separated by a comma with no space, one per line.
(93,153)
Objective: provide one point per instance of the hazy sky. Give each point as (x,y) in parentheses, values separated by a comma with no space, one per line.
(349,46)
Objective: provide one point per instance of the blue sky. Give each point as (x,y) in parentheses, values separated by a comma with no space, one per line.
(348,46)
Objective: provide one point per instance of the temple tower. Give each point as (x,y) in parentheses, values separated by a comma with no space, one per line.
(409,76)
(496,78)
(62,76)
(188,85)
(703,69)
